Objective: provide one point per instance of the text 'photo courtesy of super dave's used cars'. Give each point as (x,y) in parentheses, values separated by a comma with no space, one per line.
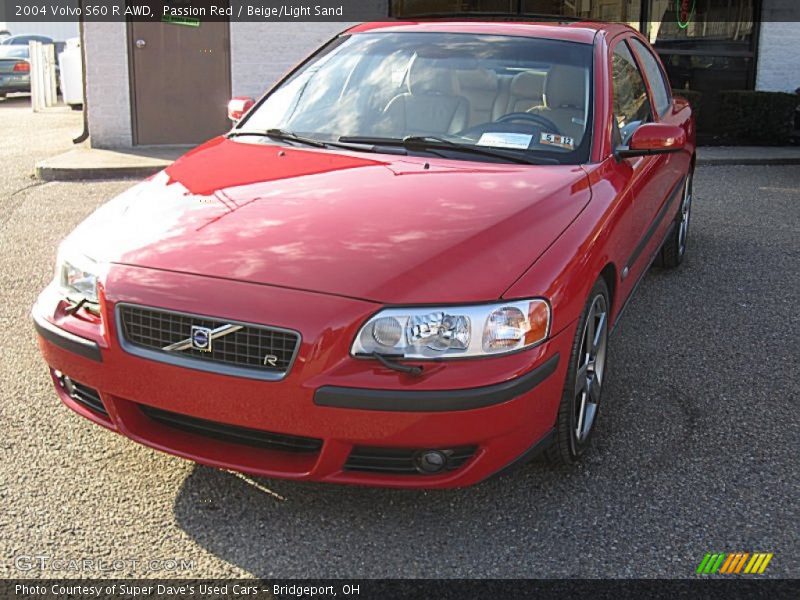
(399,268)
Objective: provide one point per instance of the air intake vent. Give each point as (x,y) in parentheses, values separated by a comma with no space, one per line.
(233,433)
(402,461)
(206,343)
(82,394)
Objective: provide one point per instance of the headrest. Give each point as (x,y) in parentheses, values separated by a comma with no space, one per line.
(426,77)
(565,86)
(527,85)
(477,79)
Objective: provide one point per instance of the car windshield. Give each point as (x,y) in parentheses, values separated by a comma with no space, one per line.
(13,52)
(526,96)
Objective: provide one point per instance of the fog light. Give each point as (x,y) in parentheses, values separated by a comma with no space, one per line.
(430,461)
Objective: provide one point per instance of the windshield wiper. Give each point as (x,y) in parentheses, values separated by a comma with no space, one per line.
(427,142)
(280,134)
(290,136)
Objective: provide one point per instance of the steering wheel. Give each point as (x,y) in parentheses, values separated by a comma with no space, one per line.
(526,116)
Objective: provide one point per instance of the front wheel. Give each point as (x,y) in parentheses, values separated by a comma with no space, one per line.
(580,402)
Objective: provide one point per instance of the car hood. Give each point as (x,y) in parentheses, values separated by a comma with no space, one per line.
(392,229)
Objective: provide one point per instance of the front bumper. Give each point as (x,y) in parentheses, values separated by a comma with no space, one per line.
(497,408)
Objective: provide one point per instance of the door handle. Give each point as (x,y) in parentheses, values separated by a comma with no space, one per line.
(140,44)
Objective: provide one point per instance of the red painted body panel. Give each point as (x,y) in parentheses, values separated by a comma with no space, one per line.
(317,241)
(277,216)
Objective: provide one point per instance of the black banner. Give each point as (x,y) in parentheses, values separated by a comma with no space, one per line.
(193,12)
(377,589)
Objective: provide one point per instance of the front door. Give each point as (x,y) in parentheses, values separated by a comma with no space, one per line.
(181,81)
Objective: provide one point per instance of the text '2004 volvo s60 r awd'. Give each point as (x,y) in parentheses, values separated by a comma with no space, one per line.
(399,268)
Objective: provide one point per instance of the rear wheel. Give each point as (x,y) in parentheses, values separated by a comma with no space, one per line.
(674,248)
(580,402)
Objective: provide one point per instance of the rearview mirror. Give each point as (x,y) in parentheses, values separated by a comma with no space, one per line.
(237,107)
(654,138)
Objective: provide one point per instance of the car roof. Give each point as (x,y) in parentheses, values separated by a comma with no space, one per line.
(572,31)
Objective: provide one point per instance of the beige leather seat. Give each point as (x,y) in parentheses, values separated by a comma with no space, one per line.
(565,99)
(524,93)
(479,87)
(431,105)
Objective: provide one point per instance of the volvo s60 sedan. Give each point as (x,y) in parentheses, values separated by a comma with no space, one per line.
(399,268)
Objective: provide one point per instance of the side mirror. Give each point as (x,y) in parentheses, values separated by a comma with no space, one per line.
(237,107)
(654,138)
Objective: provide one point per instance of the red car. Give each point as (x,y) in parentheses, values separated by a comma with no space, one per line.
(399,268)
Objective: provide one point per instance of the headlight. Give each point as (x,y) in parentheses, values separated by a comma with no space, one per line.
(77,276)
(455,331)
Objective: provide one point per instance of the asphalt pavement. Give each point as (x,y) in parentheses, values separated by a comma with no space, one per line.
(695,452)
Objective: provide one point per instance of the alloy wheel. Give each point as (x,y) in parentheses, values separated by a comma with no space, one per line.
(591,367)
(686,210)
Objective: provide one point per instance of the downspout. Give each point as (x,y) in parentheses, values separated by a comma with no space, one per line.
(85,133)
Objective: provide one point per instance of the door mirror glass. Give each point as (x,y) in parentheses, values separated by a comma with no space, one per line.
(237,107)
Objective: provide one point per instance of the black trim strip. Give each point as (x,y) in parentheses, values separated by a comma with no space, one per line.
(66,340)
(547,440)
(653,227)
(434,400)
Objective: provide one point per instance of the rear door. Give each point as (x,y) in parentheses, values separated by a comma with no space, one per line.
(180,80)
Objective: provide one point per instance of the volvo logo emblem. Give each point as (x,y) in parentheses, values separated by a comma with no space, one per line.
(201,338)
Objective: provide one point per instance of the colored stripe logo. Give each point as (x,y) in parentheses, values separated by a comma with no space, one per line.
(735,563)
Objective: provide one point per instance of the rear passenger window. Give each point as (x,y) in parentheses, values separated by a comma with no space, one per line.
(661,95)
(631,104)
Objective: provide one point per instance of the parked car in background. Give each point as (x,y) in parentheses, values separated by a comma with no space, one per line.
(399,268)
(15,70)
(24,39)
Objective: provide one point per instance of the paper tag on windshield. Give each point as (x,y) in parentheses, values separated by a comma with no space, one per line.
(562,141)
(506,140)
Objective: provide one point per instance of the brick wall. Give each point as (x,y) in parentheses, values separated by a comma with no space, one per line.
(107,88)
(262,52)
(778,68)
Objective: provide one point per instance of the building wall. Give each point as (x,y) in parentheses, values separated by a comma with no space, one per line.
(262,52)
(107,88)
(778,67)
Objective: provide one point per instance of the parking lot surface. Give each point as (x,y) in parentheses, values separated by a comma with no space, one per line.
(695,452)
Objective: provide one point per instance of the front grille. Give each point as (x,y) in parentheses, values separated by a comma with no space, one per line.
(401,461)
(83,395)
(233,433)
(255,348)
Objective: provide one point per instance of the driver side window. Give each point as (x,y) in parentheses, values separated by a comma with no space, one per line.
(631,104)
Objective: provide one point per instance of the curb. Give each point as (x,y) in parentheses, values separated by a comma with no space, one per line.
(47,173)
(777,161)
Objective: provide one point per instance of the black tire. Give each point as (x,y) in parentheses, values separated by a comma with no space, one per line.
(673,251)
(568,446)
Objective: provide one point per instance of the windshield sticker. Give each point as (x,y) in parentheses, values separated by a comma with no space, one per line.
(505,140)
(562,141)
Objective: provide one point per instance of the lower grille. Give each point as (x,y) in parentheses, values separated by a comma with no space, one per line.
(83,395)
(400,461)
(233,433)
(211,344)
